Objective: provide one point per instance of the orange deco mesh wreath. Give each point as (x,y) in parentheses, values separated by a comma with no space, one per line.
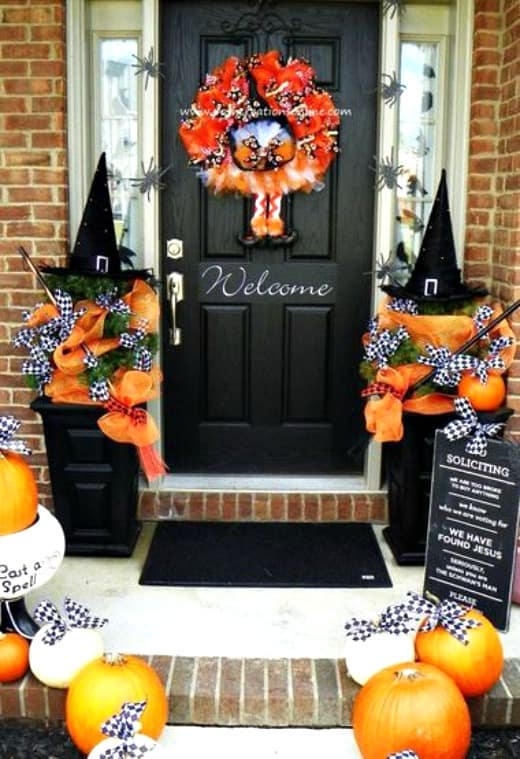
(263,128)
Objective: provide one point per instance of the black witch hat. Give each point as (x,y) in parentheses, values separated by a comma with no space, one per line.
(95,251)
(436,276)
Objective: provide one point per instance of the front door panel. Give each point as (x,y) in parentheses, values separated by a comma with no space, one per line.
(265,379)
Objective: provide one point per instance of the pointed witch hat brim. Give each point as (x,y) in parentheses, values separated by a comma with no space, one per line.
(436,276)
(95,251)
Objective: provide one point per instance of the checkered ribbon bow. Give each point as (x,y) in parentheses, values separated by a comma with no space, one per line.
(447,614)
(407,753)
(75,616)
(468,425)
(9,425)
(493,360)
(124,726)
(394,619)
(481,316)
(39,366)
(111,302)
(99,391)
(447,366)
(403,306)
(382,345)
(58,329)
(133,341)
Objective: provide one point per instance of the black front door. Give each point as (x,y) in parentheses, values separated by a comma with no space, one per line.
(264,375)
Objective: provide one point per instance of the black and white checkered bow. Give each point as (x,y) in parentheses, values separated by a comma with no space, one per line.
(9,426)
(469,425)
(134,341)
(98,390)
(448,367)
(395,619)
(403,306)
(407,753)
(38,366)
(112,303)
(493,360)
(75,616)
(482,315)
(447,614)
(124,726)
(382,345)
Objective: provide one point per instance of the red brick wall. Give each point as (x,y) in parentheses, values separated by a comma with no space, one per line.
(493,221)
(33,181)
(33,178)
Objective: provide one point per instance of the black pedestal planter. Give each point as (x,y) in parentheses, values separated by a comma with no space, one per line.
(408,467)
(94,480)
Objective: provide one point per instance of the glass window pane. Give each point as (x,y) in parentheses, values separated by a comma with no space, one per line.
(119,132)
(419,140)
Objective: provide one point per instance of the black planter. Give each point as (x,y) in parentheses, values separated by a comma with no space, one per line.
(408,468)
(94,480)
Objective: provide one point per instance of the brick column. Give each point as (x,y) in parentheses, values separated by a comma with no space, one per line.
(33,183)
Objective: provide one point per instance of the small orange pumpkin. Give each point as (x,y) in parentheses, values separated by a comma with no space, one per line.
(19,500)
(475,666)
(14,657)
(411,706)
(99,690)
(484,396)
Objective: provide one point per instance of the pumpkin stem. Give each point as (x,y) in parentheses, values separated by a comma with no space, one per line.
(409,674)
(114,659)
(432,597)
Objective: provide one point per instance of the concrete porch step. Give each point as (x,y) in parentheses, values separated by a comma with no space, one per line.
(219,691)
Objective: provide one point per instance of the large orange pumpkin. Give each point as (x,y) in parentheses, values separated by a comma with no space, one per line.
(14,657)
(19,500)
(411,706)
(99,690)
(475,666)
(484,396)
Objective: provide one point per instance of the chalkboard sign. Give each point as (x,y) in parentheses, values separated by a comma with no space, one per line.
(473,520)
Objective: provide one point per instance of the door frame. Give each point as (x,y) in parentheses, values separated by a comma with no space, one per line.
(384,207)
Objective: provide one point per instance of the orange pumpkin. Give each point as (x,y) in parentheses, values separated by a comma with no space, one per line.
(99,690)
(484,396)
(475,666)
(14,657)
(19,500)
(411,706)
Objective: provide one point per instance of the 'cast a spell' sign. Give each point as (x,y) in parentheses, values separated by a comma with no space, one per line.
(471,544)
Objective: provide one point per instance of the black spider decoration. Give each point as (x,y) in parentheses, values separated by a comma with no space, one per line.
(148,66)
(392,89)
(391,268)
(151,179)
(387,173)
(395,6)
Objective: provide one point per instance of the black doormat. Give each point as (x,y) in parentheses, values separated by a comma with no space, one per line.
(265,554)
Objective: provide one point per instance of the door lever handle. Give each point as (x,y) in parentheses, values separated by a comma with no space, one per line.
(175,283)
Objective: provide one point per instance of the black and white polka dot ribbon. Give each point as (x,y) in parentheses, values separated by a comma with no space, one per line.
(112,303)
(470,426)
(447,614)
(403,306)
(383,344)
(447,366)
(9,426)
(76,616)
(395,619)
(124,725)
(407,753)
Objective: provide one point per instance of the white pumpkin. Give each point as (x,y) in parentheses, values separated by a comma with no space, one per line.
(154,750)
(30,557)
(56,664)
(382,649)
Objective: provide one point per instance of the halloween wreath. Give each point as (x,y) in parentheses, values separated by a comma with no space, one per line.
(262,127)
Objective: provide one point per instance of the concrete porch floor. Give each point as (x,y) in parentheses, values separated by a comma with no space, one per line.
(231,657)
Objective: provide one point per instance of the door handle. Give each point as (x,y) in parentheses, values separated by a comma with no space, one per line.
(175,284)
